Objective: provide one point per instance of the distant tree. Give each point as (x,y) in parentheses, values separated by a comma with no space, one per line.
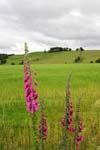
(3,61)
(3,58)
(77,49)
(55,49)
(65,49)
(59,49)
(69,49)
(81,49)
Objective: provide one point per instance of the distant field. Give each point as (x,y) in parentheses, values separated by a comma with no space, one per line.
(57,57)
(14,119)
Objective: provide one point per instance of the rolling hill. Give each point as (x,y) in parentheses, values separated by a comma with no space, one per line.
(57,57)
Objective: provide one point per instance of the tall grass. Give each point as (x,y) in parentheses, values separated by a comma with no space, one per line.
(15,122)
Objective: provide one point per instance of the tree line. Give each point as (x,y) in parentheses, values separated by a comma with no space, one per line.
(60,49)
(3,58)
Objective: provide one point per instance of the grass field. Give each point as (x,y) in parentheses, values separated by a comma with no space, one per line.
(15,122)
(57,57)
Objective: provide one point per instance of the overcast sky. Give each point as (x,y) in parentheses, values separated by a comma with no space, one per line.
(47,23)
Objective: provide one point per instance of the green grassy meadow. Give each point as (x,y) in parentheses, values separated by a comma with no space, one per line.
(15,121)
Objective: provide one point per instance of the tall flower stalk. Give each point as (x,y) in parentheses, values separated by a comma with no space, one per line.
(79,127)
(67,119)
(43,128)
(31,95)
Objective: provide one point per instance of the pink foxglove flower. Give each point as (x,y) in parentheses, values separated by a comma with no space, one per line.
(69,120)
(79,137)
(71,129)
(43,129)
(43,124)
(30,93)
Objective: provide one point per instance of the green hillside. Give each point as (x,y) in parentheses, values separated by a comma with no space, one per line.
(57,57)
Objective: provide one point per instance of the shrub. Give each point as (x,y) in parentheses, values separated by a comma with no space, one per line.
(37,59)
(77,59)
(21,63)
(98,60)
(91,61)
(12,63)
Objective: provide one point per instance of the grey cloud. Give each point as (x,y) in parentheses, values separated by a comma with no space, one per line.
(47,23)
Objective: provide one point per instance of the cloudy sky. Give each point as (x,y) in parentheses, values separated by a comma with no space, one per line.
(47,23)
